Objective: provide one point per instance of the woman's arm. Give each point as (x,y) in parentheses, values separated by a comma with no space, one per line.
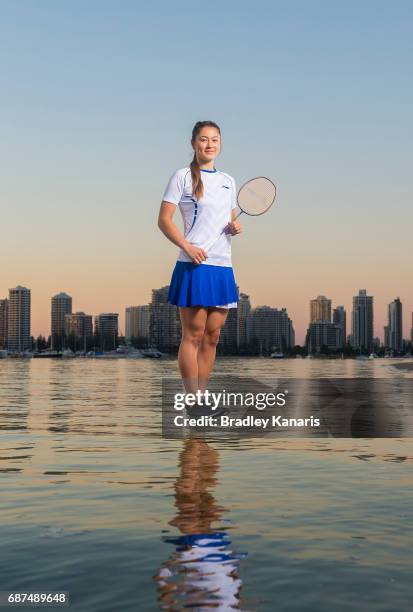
(234,227)
(168,227)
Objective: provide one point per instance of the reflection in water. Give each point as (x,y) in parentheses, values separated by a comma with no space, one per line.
(76,393)
(202,572)
(367,407)
(61,391)
(325,520)
(15,395)
(15,387)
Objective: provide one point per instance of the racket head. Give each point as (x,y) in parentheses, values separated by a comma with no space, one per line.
(256,196)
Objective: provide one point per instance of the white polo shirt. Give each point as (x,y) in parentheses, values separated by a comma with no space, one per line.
(204,219)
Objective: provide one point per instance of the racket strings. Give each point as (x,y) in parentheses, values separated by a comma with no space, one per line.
(256,196)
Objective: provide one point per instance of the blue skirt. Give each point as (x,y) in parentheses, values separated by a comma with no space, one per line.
(202,285)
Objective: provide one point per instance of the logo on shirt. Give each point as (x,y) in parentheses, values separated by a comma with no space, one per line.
(225,186)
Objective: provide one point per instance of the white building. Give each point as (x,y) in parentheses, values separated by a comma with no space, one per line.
(362,322)
(19,318)
(137,322)
(61,305)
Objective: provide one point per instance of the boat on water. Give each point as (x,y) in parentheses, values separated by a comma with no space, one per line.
(94,354)
(21,354)
(130,353)
(3,354)
(134,354)
(277,355)
(152,353)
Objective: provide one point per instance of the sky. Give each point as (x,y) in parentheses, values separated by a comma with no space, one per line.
(97,105)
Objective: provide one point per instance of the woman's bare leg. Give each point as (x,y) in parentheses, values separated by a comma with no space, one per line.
(207,351)
(193,320)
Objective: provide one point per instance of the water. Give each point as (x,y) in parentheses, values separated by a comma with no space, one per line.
(95,502)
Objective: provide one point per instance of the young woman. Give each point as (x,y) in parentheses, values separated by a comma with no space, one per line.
(202,284)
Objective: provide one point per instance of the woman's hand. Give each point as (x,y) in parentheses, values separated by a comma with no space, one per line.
(234,227)
(196,254)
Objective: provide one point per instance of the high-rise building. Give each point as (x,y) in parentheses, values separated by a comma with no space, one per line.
(411,331)
(395,326)
(322,335)
(320,309)
(78,326)
(19,316)
(235,333)
(61,306)
(291,335)
(228,340)
(339,318)
(271,329)
(137,322)
(244,310)
(165,324)
(4,315)
(106,330)
(229,337)
(376,344)
(386,336)
(362,322)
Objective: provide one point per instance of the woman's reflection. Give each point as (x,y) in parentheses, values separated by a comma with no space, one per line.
(202,572)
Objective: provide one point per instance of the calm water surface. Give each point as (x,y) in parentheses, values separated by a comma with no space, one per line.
(95,502)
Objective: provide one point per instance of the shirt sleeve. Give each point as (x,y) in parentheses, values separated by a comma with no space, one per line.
(233,195)
(174,188)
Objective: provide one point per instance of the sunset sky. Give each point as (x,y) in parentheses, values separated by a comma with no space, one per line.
(97,106)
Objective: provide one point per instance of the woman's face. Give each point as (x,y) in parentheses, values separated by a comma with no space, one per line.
(207,144)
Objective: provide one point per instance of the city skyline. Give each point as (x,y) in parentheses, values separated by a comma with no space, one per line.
(60,304)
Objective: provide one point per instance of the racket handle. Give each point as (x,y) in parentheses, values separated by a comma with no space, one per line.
(212,242)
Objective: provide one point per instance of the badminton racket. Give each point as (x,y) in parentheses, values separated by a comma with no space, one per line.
(255,198)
